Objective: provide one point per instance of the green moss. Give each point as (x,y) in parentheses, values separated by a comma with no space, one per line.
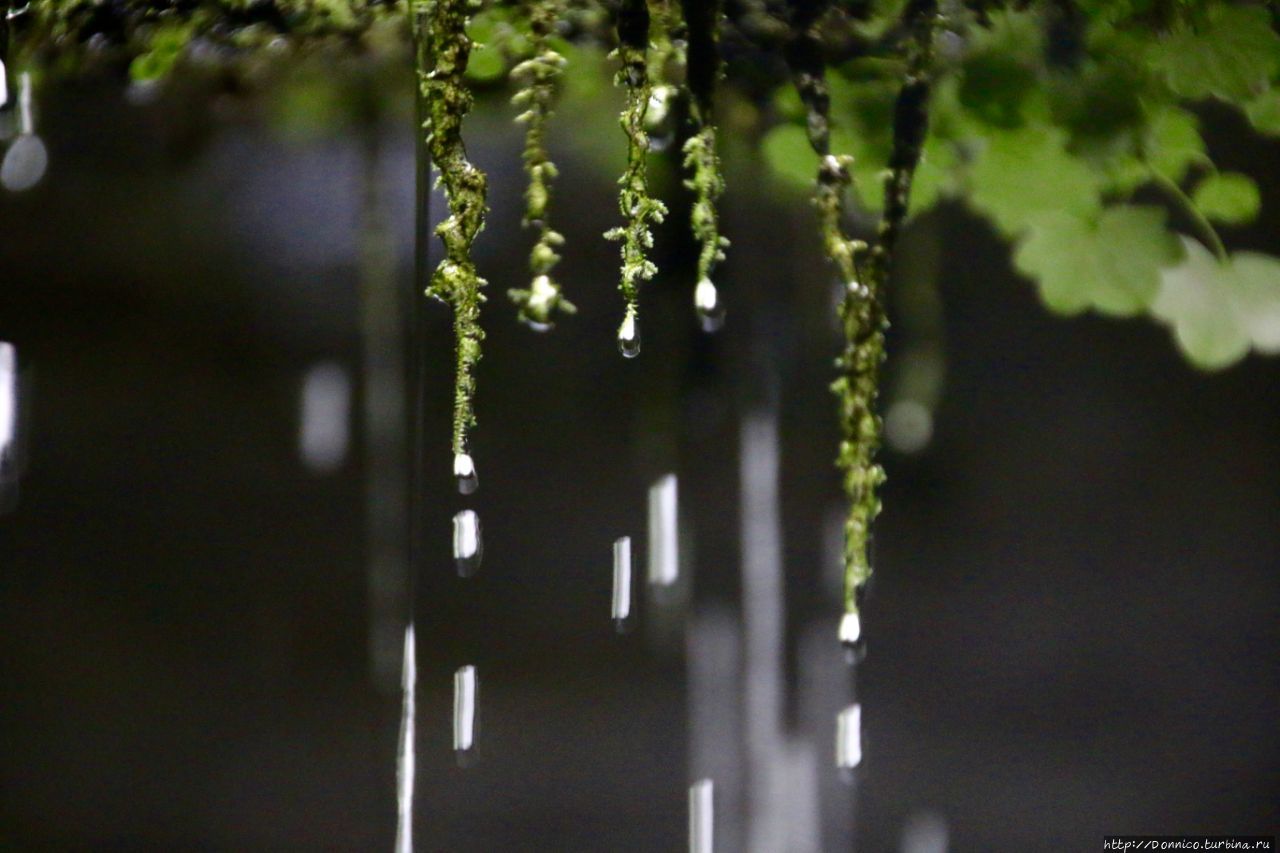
(539,78)
(443,48)
(639,209)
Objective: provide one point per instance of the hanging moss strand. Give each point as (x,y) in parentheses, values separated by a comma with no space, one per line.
(538,81)
(638,208)
(442,51)
(701,162)
(862,312)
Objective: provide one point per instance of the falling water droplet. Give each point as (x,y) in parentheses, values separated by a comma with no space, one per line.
(702,816)
(26,160)
(629,336)
(406,758)
(464,471)
(464,712)
(710,308)
(849,738)
(467,545)
(664,553)
(659,121)
(621,582)
(855,647)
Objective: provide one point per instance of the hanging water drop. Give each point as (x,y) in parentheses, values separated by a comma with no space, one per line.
(464,712)
(710,308)
(464,471)
(621,582)
(855,647)
(849,738)
(26,160)
(629,336)
(467,545)
(659,121)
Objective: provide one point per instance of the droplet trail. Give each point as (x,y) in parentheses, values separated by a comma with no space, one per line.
(664,554)
(464,710)
(702,816)
(406,758)
(849,738)
(468,547)
(621,581)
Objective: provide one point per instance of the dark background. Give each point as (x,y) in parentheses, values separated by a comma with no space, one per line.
(1073,629)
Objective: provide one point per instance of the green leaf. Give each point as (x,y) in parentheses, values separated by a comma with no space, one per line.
(1025,174)
(1112,266)
(1196,299)
(1233,58)
(1258,298)
(787,152)
(1264,112)
(1228,197)
(1173,143)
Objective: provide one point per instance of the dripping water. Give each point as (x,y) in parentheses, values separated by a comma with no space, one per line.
(849,739)
(405,761)
(851,639)
(664,555)
(25,162)
(702,817)
(659,123)
(709,305)
(468,548)
(629,335)
(621,582)
(324,421)
(925,832)
(464,712)
(464,471)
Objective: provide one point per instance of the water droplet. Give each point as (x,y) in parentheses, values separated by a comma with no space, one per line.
(406,759)
(621,582)
(664,554)
(464,471)
(464,711)
(702,816)
(855,647)
(710,308)
(467,545)
(849,738)
(629,336)
(26,160)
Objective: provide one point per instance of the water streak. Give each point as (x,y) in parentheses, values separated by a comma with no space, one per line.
(849,737)
(324,420)
(25,162)
(468,548)
(405,760)
(464,710)
(664,549)
(702,817)
(621,581)
(8,403)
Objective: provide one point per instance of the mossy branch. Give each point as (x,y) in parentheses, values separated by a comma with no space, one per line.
(862,311)
(701,161)
(538,79)
(638,208)
(442,51)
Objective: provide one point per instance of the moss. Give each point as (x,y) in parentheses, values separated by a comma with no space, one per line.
(639,209)
(701,161)
(443,48)
(538,78)
(862,312)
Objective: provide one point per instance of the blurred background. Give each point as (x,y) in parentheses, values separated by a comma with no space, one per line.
(205,568)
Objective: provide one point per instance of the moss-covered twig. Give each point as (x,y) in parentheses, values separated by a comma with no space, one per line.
(701,161)
(538,78)
(638,208)
(442,50)
(862,311)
